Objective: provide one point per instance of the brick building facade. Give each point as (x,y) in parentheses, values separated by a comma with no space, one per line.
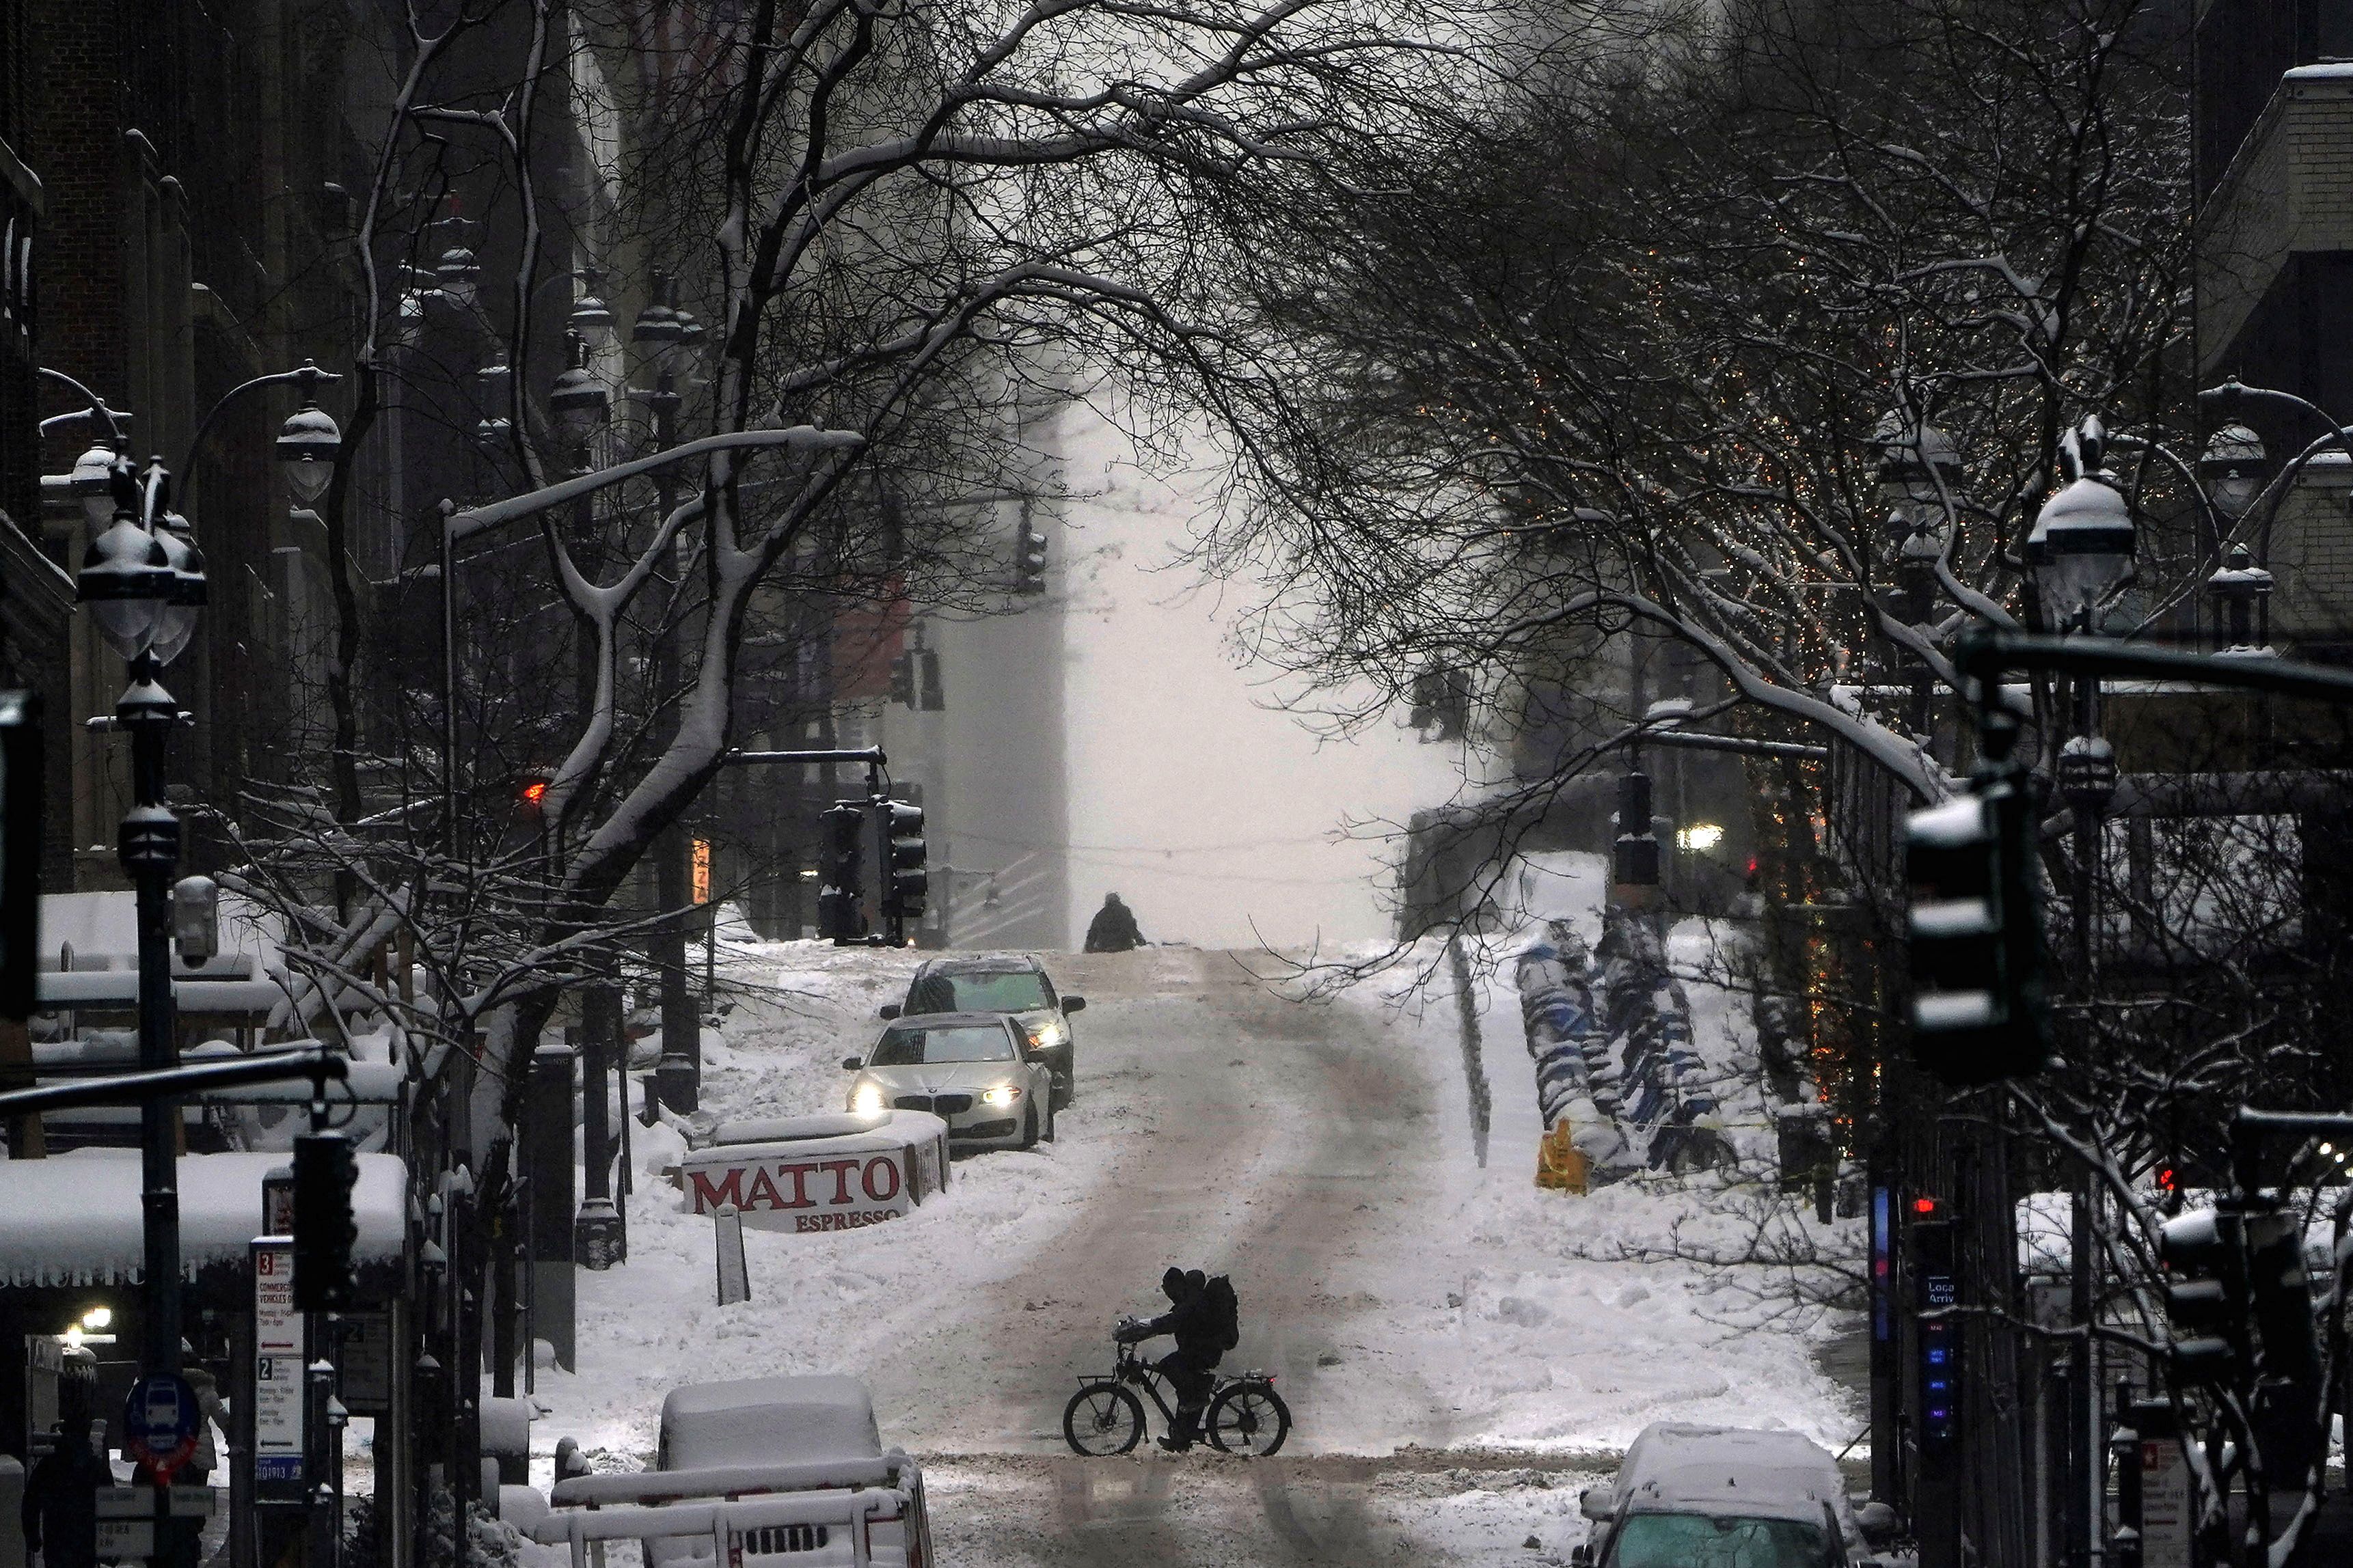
(2274,279)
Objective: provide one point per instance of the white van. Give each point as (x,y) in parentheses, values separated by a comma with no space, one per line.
(758,1472)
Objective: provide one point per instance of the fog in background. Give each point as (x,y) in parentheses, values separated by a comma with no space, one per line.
(1215,816)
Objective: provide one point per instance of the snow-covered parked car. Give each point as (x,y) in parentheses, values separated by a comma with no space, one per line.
(1722,1494)
(787,1470)
(975,1071)
(1010,983)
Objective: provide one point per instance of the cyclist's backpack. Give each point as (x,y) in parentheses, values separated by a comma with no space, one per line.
(1225,1312)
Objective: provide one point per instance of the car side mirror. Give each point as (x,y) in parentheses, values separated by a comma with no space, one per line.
(1074,1004)
(852,1064)
(1879,1524)
(1596,1503)
(888,1011)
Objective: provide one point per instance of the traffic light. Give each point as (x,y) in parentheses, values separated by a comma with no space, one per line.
(934,697)
(1028,557)
(907,883)
(1976,939)
(324,1170)
(1634,862)
(2280,1293)
(2206,1296)
(903,680)
(2288,1383)
(840,909)
(531,795)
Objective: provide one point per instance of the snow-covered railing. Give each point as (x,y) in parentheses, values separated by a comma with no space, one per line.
(726,1523)
(117,989)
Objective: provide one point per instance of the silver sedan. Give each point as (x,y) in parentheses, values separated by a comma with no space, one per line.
(976,1071)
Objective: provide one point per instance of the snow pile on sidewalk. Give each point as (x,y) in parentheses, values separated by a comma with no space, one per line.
(1510,1301)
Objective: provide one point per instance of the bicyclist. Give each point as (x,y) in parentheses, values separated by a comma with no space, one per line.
(1201,1342)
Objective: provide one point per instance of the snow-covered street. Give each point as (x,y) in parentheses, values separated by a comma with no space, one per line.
(1453,1366)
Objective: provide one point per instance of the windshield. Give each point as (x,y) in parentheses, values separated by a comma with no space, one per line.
(1005,991)
(969,1043)
(1697,1541)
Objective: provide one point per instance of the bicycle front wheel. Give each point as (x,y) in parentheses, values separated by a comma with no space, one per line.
(1248,1418)
(1103,1419)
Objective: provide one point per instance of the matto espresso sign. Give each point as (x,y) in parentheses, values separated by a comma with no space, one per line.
(832,1181)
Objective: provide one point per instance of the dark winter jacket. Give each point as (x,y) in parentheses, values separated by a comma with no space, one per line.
(1190,1320)
(1113,929)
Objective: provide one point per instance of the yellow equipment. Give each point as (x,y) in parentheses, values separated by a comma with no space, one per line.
(1560,1164)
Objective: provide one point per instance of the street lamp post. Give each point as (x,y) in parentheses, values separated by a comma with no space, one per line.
(580,405)
(2080,553)
(1915,588)
(144,583)
(2239,586)
(1919,479)
(658,334)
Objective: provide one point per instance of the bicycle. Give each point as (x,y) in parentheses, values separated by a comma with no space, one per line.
(1245,1415)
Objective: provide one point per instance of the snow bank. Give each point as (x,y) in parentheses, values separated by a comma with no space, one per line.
(1506,1300)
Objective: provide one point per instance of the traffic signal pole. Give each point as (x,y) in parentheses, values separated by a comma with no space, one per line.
(876,851)
(2241,1306)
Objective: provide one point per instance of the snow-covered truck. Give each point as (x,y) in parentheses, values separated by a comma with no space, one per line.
(759,1472)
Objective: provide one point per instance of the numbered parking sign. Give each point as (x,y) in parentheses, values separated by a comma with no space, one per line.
(280,1358)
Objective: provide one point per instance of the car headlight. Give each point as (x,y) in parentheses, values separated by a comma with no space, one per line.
(1002,1095)
(1049,1035)
(867,1100)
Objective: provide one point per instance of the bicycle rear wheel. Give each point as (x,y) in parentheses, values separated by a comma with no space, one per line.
(1248,1418)
(1103,1419)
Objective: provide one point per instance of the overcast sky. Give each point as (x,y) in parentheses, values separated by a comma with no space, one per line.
(1207,812)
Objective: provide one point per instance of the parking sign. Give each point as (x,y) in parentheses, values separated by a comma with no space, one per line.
(280,1358)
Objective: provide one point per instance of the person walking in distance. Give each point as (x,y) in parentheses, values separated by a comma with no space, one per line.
(1113,929)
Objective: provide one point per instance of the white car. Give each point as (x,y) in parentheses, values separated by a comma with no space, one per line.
(976,1071)
(1689,1494)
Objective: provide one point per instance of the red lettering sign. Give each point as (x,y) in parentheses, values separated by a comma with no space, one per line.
(707,1198)
(808,1224)
(840,1169)
(890,1179)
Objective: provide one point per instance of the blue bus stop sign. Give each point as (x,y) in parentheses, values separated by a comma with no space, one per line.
(160,1422)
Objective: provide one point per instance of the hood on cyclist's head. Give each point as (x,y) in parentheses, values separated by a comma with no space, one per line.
(1176,1284)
